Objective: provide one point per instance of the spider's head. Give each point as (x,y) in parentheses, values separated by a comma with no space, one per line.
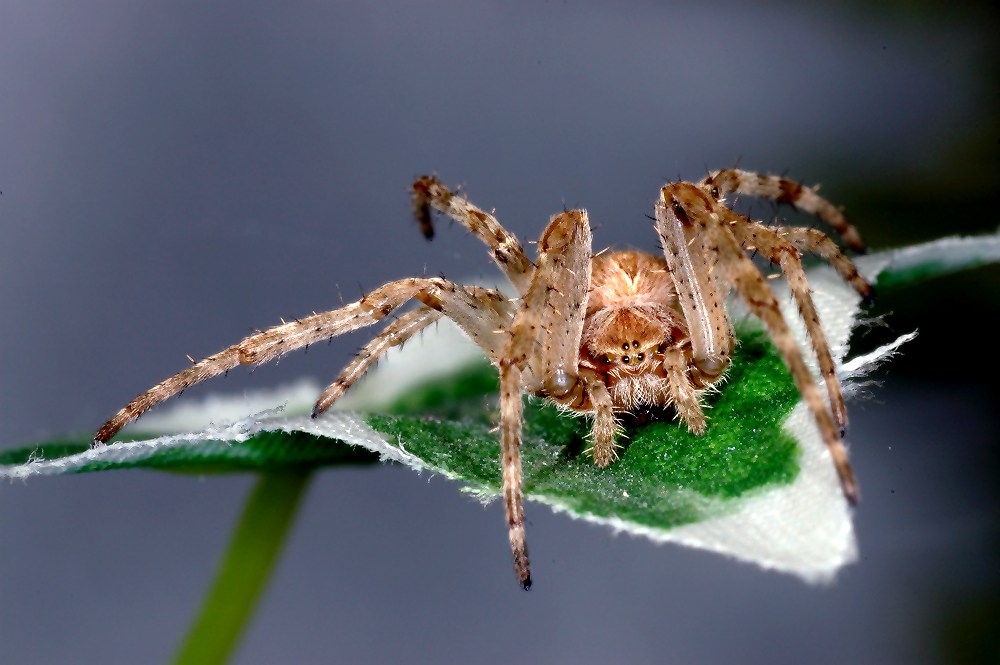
(627,341)
(628,358)
(634,371)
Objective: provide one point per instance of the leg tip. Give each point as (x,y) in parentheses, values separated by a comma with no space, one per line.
(319,408)
(868,296)
(851,494)
(101,437)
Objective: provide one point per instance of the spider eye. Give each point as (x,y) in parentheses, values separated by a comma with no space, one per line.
(640,357)
(660,349)
(715,192)
(625,346)
(626,359)
(635,345)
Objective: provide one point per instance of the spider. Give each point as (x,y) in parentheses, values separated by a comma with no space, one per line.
(601,334)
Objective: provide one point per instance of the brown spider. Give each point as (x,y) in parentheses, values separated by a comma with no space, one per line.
(600,334)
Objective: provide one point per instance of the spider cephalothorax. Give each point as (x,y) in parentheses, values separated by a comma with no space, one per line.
(605,335)
(633,321)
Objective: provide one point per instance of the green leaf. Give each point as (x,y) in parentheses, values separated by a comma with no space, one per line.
(745,446)
(265,451)
(664,472)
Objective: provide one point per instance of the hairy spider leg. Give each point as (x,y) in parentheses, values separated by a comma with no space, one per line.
(727,181)
(778,250)
(395,334)
(505,249)
(543,354)
(479,317)
(686,211)
(816,242)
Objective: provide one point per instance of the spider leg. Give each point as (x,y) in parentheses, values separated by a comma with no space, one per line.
(693,259)
(606,429)
(779,250)
(549,324)
(816,242)
(783,190)
(402,329)
(478,316)
(752,287)
(543,353)
(506,251)
(687,209)
(395,334)
(511,420)
(682,393)
(591,395)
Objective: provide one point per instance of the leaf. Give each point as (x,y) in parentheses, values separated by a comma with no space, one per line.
(758,485)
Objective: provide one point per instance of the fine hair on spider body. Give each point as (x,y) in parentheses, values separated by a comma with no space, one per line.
(604,335)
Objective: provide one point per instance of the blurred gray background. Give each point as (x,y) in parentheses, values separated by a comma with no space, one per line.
(175,174)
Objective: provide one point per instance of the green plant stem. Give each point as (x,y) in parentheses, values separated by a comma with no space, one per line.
(245,569)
